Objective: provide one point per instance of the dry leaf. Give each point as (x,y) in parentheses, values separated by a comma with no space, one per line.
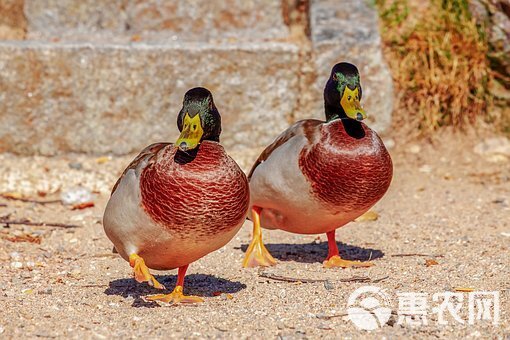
(13,195)
(464,289)
(136,37)
(102,160)
(430,262)
(368,216)
(23,238)
(81,206)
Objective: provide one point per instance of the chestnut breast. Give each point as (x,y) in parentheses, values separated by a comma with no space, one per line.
(348,170)
(195,198)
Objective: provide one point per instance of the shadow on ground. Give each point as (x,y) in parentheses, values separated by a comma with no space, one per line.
(317,252)
(194,284)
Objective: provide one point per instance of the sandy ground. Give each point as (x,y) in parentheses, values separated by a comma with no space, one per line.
(445,204)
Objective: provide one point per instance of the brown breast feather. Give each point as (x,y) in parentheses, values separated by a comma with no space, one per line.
(307,127)
(347,174)
(207,195)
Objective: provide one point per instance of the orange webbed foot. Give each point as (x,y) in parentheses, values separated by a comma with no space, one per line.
(337,261)
(141,272)
(258,255)
(175,297)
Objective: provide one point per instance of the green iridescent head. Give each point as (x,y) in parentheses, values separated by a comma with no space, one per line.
(198,119)
(342,94)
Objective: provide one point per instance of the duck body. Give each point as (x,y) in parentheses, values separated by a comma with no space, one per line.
(318,176)
(172,210)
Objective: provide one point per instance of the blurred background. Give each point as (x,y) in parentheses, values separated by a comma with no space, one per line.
(108,77)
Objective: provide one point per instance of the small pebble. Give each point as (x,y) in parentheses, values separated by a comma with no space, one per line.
(414,149)
(76,165)
(328,285)
(26,275)
(425,169)
(17,265)
(14,255)
(76,195)
(46,291)
(324,326)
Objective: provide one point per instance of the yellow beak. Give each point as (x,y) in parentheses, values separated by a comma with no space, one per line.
(191,134)
(351,105)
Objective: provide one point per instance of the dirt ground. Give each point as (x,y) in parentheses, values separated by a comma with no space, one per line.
(446,204)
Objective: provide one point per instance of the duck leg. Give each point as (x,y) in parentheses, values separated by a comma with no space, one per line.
(334,259)
(142,273)
(177,295)
(257,253)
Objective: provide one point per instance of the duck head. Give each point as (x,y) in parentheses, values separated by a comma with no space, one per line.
(198,119)
(342,94)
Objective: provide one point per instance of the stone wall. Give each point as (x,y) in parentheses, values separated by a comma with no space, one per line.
(108,76)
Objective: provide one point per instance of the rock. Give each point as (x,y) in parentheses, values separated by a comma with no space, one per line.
(17,265)
(414,148)
(153,20)
(118,99)
(76,165)
(109,78)
(350,33)
(328,285)
(76,195)
(46,291)
(426,169)
(493,146)
(494,16)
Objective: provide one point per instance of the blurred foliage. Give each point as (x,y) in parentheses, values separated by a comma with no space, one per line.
(438,57)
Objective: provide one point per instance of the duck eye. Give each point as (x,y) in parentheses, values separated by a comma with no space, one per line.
(349,98)
(195,127)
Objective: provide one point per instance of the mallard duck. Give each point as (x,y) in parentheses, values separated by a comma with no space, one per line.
(177,202)
(319,175)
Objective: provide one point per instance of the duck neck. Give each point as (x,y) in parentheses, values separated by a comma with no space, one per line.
(333,113)
(352,127)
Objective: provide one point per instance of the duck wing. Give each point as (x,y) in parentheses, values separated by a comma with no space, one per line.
(146,154)
(306,127)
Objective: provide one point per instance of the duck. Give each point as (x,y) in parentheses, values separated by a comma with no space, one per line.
(317,175)
(177,202)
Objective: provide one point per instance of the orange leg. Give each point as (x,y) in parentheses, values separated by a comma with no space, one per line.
(257,253)
(177,295)
(334,259)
